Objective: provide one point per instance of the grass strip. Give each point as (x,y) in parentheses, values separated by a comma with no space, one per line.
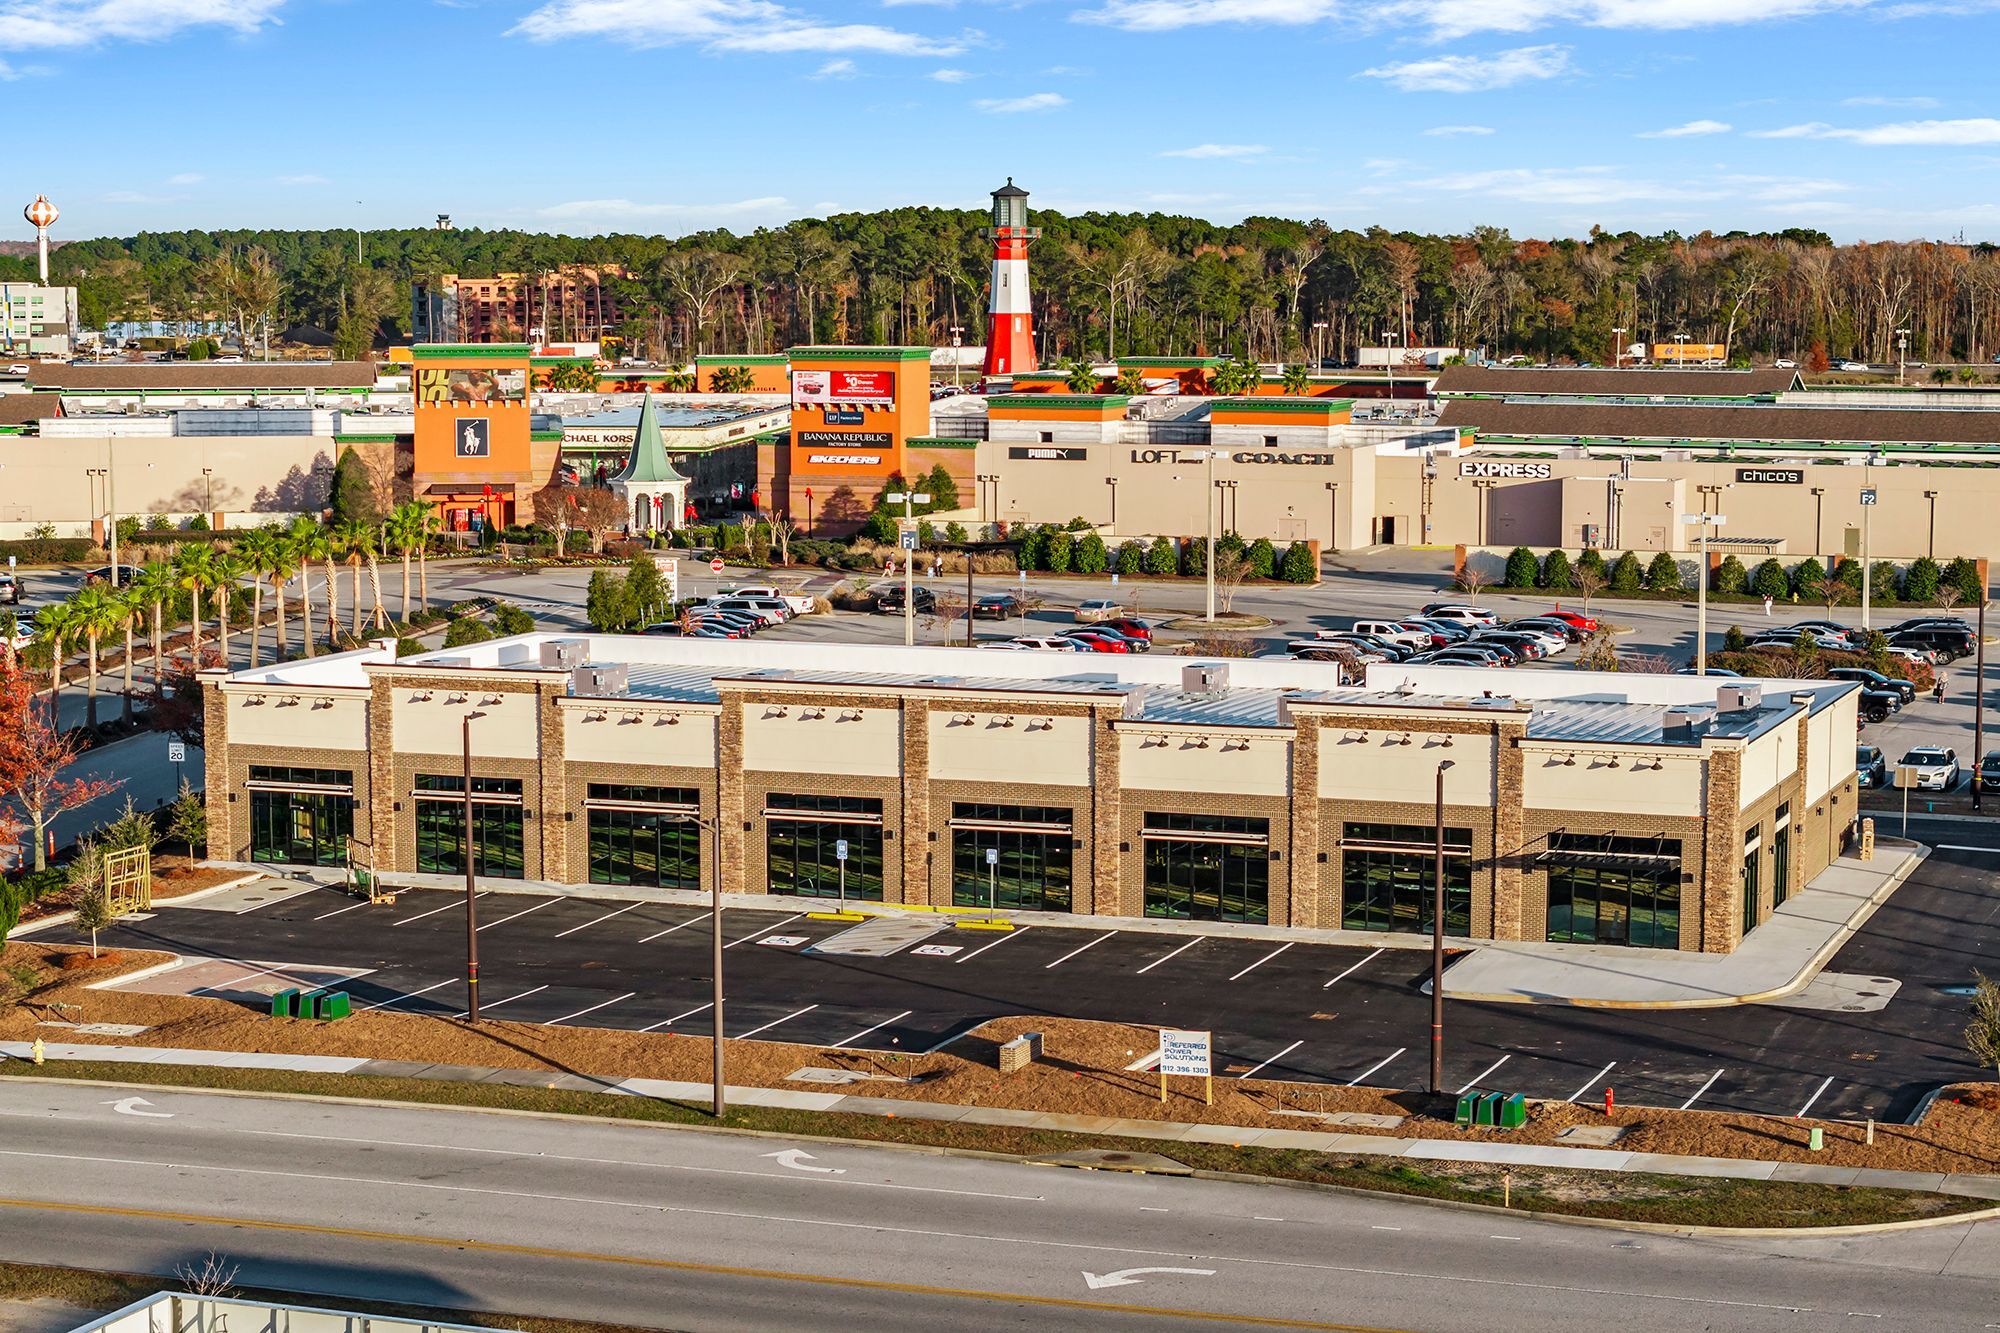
(1618,1196)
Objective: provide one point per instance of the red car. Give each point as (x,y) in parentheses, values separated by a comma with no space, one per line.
(1587,624)
(1137,629)
(1098,643)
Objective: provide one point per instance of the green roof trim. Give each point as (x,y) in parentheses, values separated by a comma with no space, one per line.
(648,464)
(1300,406)
(541,435)
(468,351)
(858,354)
(562,361)
(760,359)
(939,442)
(366,439)
(1189,362)
(1055,401)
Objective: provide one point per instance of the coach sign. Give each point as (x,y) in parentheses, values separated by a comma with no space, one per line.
(1771,476)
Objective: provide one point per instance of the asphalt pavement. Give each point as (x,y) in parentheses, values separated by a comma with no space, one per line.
(1302,1011)
(694,1229)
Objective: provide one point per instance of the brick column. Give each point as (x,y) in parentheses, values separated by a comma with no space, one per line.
(552,780)
(1721,883)
(382,773)
(1106,812)
(1305,905)
(916,799)
(729,788)
(1509,830)
(222,818)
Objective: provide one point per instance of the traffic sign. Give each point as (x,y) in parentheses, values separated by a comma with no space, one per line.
(716,564)
(177,752)
(992,856)
(840,849)
(907,539)
(1868,496)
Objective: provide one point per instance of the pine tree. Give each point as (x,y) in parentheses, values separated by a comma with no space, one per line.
(1061,548)
(1131,558)
(1627,577)
(1298,566)
(1770,581)
(1522,568)
(1882,581)
(1663,575)
(1592,561)
(1090,556)
(1921,583)
(1263,557)
(1807,577)
(1730,575)
(352,494)
(1556,575)
(1161,557)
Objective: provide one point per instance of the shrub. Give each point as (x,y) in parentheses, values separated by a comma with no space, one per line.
(1556,574)
(879,526)
(1963,575)
(1849,573)
(1299,566)
(1729,576)
(1882,583)
(1770,581)
(1663,574)
(1735,641)
(926,533)
(467,629)
(1161,558)
(1921,583)
(409,647)
(1035,547)
(1807,577)
(1626,576)
(1592,561)
(1194,556)
(1078,524)
(954,532)
(1090,556)
(1263,557)
(511,619)
(1131,558)
(1522,568)
(1061,549)
(1228,544)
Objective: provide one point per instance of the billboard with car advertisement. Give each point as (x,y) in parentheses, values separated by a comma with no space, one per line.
(814,387)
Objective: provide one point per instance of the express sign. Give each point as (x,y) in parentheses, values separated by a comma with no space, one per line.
(843,386)
(1515,471)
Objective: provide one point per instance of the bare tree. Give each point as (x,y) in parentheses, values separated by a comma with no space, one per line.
(1588,584)
(698,278)
(1231,568)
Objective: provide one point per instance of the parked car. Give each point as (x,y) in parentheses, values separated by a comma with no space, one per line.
(1553,641)
(1875,680)
(1528,646)
(1390,632)
(1462,615)
(102,574)
(1927,656)
(1877,705)
(1957,623)
(1785,638)
(10,590)
(733,619)
(1450,629)
(1588,624)
(1465,655)
(1784,363)
(1099,643)
(767,609)
(1870,767)
(1098,608)
(996,606)
(1051,641)
(1847,632)
(1515,652)
(922,599)
(1948,644)
(695,630)
(1551,624)
(19,368)
(1989,769)
(1855,366)
(1130,628)
(1132,643)
(1936,767)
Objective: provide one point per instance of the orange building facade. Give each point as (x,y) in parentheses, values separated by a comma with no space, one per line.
(473,442)
(854,412)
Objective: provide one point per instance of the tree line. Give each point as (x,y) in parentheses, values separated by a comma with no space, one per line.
(1105,284)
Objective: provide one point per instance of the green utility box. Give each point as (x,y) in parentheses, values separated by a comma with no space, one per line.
(308,1003)
(285,1003)
(1467,1101)
(334,1004)
(1489,1108)
(1514,1112)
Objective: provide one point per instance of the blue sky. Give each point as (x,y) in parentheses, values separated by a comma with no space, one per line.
(1866,118)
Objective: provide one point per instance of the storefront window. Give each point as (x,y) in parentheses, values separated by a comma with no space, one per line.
(1388,878)
(803,841)
(300,816)
(1030,863)
(1605,889)
(1753,843)
(1781,856)
(498,826)
(1208,867)
(643,835)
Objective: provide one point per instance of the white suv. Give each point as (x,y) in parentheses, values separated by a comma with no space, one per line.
(1464,615)
(1053,642)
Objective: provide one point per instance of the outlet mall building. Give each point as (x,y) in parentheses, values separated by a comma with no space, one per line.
(1643,811)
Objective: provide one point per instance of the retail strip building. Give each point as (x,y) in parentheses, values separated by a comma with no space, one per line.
(1646,811)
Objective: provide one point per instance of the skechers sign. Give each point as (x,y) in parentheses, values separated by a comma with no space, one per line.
(1516,471)
(1243,456)
(1771,476)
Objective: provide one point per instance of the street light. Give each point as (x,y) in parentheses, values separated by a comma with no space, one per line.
(714,829)
(1390,338)
(1931,540)
(906,542)
(1319,341)
(1704,519)
(957,330)
(1618,349)
(1902,352)
(471,890)
(1867,510)
(1437,941)
(1209,564)
(1819,504)
(1333,517)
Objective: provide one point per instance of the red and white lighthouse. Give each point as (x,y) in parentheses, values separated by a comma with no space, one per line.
(1010,323)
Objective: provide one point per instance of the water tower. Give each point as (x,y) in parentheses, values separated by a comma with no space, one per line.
(43,214)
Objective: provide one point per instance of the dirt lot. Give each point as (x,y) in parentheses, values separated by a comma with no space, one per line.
(1082,1073)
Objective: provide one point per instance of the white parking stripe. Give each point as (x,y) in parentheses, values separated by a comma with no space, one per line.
(1595,1079)
(435,910)
(668,1022)
(865,1031)
(1961,847)
(234,982)
(1369,959)
(1700,1090)
(407,995)
(1074,952)
(1261,961)
(1473,1082)
(1817,1093)
(1377,1065)
(1018,931)
(593,1009)
(546,902)
(761,930)
(671,929)
(594,920)
(1175,954)
(520,995)
(338,910)
(1279,1056)
(774,1022)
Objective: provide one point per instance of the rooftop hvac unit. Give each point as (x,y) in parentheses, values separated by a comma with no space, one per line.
(565,654)
(598,680)
(1738,698)
(1684,724)
(1204,678)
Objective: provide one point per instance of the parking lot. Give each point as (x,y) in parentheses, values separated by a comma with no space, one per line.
(1311,1012)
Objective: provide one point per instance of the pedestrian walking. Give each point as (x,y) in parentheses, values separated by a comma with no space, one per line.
(1937,689)
(1767,608)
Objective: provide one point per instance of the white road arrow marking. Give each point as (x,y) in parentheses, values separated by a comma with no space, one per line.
(131,1105)
(796,1159)
(1127,1277)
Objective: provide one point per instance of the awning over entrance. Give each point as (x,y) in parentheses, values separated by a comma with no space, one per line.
(1608,850)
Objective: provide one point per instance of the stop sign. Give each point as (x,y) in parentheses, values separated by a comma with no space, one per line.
(716,564)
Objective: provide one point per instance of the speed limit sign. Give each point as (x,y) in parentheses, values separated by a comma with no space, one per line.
(716,564)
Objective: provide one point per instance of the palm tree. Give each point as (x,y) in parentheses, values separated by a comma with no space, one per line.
(1298,378)
(401,533)
(127,602)
(194,571)
(284,564)
(327,547)
(55,625)
(354,539)
(1079,376)
(258,550)
(425,518)
(309,542)
(96,614)
(153,587)
(229,566)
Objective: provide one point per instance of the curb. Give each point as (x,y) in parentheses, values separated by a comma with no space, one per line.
(1799,981)
(935,1150)
(64,918)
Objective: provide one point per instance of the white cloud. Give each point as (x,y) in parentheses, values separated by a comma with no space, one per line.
(1693,129)
(49,24)
(1450,131)
(186,178)
(837,69)
(1007,106)
(1908,133)
(628,210)
(1474,74)
(1447,19)
(1218,150)
(133,197)
(949,75)
(1554,185)
(306,178)
(728,25)
(1906,103)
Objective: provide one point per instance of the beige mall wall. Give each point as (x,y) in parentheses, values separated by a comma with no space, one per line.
(1550,781)
(1770,759)
(46,481)
(1356,764)
(1207,761)
(436,725)
(788,738)
(298,721)
(985,749)
(658,738)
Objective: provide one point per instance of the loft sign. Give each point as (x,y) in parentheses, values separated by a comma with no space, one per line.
(1516,471)
(1244,456)
(1771,476)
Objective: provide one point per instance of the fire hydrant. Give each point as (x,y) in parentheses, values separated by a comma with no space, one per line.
(38,1050)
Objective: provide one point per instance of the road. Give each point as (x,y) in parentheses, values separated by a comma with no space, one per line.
(691,1229)
(1307,1012)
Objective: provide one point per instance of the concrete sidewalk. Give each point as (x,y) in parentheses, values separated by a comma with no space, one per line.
(1780,957)
(1496,1152)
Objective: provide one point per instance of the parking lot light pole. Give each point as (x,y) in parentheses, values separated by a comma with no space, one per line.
(909,554)
(1437,942)
(471,889)
(1979,702)
(714,827)
(1701,585)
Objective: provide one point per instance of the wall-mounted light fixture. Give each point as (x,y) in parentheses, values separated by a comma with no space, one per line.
(850,715)
(456,698)
(489,701)
(421,697)
(1569,761)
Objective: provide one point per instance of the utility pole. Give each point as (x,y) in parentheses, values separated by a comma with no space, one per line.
(1618,349)
(721,1097)
(906,543)
(471,889)
(1437,941)
(1979,698)
(1867,510)
(1902,353)
(1209,564)
(1704,518)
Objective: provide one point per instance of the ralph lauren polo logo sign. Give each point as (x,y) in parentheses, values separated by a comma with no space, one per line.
(474,438)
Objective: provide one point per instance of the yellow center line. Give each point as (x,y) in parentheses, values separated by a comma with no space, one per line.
(679,1266)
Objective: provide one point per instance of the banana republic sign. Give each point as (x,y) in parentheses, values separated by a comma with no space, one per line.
(1326,459)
